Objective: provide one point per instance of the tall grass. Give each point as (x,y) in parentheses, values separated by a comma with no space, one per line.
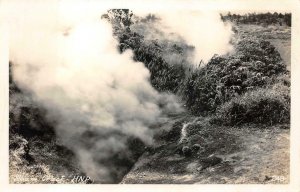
(255,64)
(263,106)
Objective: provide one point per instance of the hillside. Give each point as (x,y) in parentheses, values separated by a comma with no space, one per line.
(223,154)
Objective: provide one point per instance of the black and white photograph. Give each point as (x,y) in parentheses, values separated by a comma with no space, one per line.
(116,94)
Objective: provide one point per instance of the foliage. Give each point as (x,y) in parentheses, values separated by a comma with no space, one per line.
(255,64)
(265,106)
(259,18)
(120,18)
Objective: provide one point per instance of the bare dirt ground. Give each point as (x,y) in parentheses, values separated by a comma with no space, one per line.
(248,154)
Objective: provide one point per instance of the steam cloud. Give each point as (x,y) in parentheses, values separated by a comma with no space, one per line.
(201,29)
(98,98)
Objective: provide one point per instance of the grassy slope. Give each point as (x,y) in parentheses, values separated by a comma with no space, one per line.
(52,163)
(250,154)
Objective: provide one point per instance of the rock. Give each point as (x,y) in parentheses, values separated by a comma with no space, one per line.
(210,161)
(186,151)
(196,147)
(21,149)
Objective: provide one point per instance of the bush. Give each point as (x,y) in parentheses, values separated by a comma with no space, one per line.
(255,64)
(265,106)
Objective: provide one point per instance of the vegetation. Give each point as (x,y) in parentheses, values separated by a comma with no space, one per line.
(260,18)
(264,106)
(255,64)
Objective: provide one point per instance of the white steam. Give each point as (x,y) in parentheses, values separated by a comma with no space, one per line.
(96,96)
(201,29)
(66,56)
(204,30)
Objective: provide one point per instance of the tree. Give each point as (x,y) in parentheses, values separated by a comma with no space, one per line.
(288,19)
(121,19)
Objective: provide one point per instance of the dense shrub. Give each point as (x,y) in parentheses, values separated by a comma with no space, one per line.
(267,106)
(255,63)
